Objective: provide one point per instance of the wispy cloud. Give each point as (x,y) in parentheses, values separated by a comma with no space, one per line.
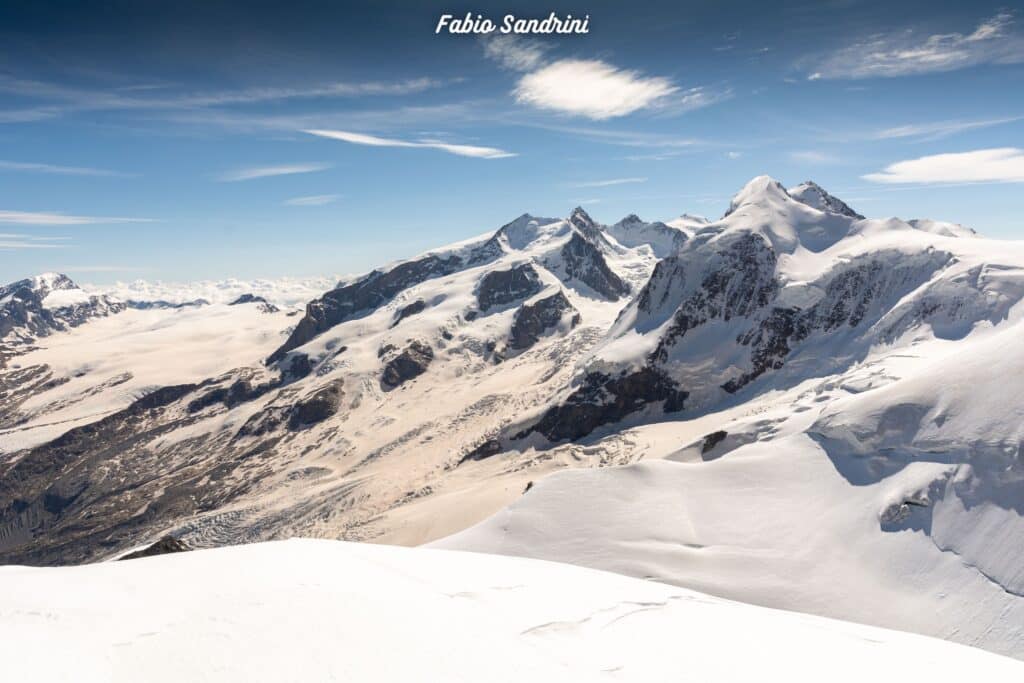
(1000,165)
(43,218)
(666,144)
(58,170)
(28,115)
(19,241)
(255,172)
(514,52)
(313,200)
(591,88)
(938,129)
(82,98)
(733,155)
(907,53)
(374,141)
(609,183)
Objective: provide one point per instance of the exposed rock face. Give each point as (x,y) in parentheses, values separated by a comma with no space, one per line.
(39,306)
(588,227)
(166,545)
(502,287)
(240,391)
(46,491)
(533,320)
(603,399)
(376,289)
(316,408)
(584,262)
(848,297)
(736,279)
(415,307)
(410,363)
(264,305)
(811,194)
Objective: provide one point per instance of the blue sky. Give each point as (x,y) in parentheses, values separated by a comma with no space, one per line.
(173,141)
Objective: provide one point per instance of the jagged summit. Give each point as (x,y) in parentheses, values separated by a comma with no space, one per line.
(813,195)
(581,219)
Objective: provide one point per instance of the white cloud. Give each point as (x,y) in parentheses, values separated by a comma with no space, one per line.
(905,53)
(1000,165)
(285,291)
(313,200)
(374,141)
(609,183)
(733,155)
(59,170)
(43,218)
(271,171)
(513,52)
(591,88)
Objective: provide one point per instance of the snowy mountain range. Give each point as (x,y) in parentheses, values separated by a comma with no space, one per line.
(812,410)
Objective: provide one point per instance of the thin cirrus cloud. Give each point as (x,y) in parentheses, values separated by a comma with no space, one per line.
(610,183)
(20,241)
(44,218)
(313,200)
(905,53)
(255,172)
(29,167)
(375,141)
(939,129)
(998,165)
(82,98)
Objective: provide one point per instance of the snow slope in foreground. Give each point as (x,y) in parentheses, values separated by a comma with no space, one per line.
(309,610)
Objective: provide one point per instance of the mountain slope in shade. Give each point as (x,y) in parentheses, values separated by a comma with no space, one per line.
(319,610)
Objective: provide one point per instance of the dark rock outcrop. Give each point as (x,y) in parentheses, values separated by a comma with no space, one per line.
(582,261)
(264,305)
(160,304)
(603,399)
(501,287)
(712,440)
(166,545)
(318,407)
(532,320)
(415,307)
(410,363)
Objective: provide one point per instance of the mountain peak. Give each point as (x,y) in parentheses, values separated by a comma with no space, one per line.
(759,189)
(813,195)
(631,220)
(52,281)
(581,219)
